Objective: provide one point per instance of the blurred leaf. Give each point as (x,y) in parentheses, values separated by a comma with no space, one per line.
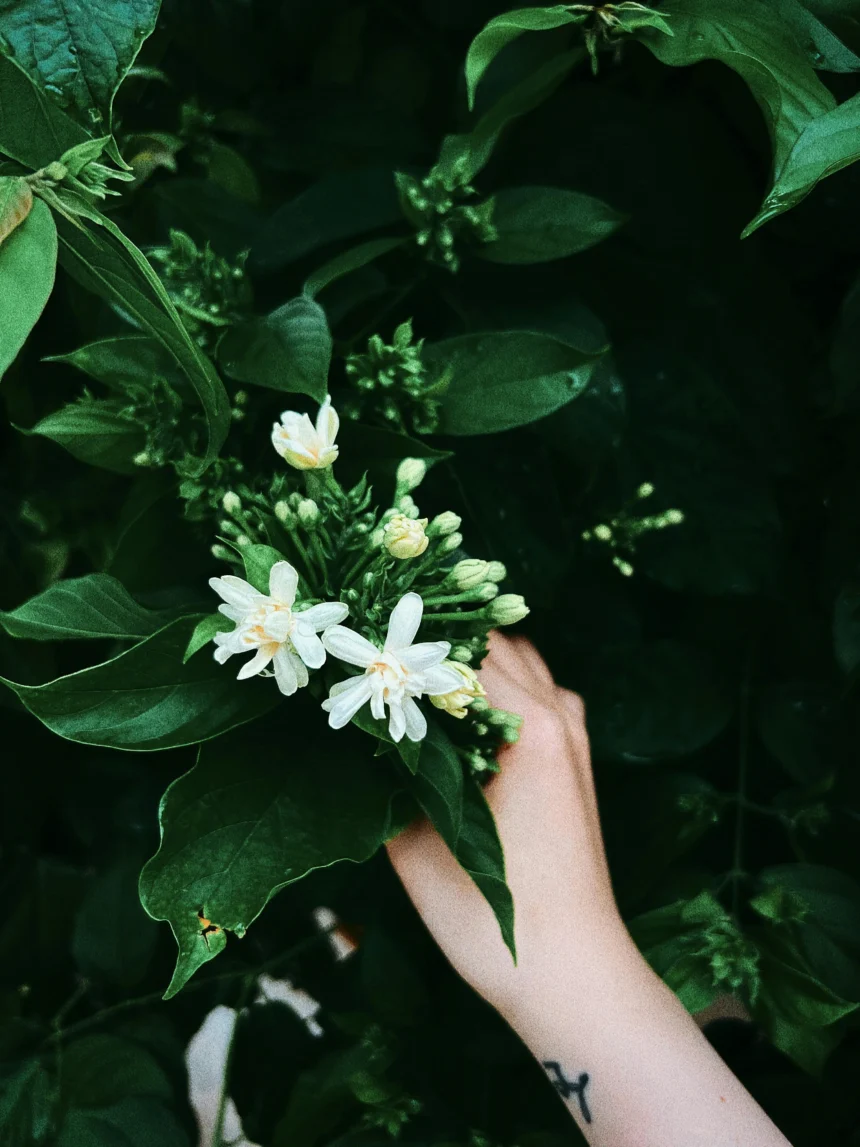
(245,823)
(95,431)
(654,702)
(26,1104)
(28,262)
(96,605)
(114,939)
(536,224)
(288,350)
(131,1122)
(846,628)
(99,1070)
(78,60)
(146,698)
(506,379)
(796,722)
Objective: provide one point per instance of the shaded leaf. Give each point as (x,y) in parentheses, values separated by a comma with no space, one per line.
(438,785)
(121,359)
(479,850)
(204,631)
(247,821)
(146,698)
(348,261)
(39,131)
(131,1122)
(94,431)
(96,605)
(288,350)
(16,202)
(536,224)
(846,628)
(28,263)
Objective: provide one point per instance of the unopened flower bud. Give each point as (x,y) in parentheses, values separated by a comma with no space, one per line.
(456,702)
(496,571)
(410,474)
(283,513)
(407,506)
(485,592)
(308,512)
(450,543)
(231,502)
(623,567)
(444,524)
(603,532)
(461,653)
(377,538)
(645,490)
(221,552)
(507,609)
(243,540)
(404,537)
(468,574)
(674,517)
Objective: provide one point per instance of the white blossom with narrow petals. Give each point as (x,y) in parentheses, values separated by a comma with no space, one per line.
(394,676)
(269,627)
(304,445)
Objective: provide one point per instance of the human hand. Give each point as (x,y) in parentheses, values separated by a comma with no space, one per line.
(545,807)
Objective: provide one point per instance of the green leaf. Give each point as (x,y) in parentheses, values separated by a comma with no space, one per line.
(27,1097)
(16,202)
(824,48)
(39,131)
(105,261)
(347,262)
(438,785)
(537,224)
(78,56)
(94,431)
(463,156)
(146,699)
(408,751)
(378,451)
(256,814)
(28,263)
(507,379)
(113,939)
(479,850)
(119,360)
(846,628)
(501,30)
(825,146)
(754,40)
(288,350)
(654,702)
(797,724)
(204,631)
(99,1070)
(132,1122)
(258,561)
(96,605)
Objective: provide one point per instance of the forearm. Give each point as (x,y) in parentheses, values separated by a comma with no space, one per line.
(628,1060)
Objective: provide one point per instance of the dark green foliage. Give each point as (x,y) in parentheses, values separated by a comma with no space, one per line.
(599,269)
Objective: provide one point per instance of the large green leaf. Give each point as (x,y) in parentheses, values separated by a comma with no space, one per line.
(348,261)
(501,30)
(105,261)
(288,350)
(136,1121)
(257,813)
(28,263)
(479,850)
(120,359)
(438,785)
(95,431)
(146,698)
(79,55)
(96,605)
(824,48)
(826,145)
(39,131)
(507,379)
(752,38)
(16,203)
(536,224)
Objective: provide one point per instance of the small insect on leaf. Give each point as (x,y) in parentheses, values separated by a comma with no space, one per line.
(16,201)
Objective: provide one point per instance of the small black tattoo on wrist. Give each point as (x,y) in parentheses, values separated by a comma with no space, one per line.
(566,1088)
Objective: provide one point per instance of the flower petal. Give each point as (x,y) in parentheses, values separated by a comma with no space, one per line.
(404,621)
(416,722)
(283,582)
(377,704)
(328,423)
(222,653)
(343,705)
(308,646)
(285,672)
(423,655)
(278,624)
(327,613)
(235,591)
(258,662)
(349,646)
(396,722)
(233,612)
(439,679)
(301,670)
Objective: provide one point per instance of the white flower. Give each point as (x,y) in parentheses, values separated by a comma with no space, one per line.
(394,675)
(303,445)
(267,626)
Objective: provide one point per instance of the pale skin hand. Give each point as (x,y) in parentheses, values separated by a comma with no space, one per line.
(580,995)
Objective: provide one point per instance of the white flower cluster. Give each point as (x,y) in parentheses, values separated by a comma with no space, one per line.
(277,634)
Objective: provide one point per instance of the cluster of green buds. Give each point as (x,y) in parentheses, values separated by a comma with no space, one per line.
(441,209)
(209,291)
(622,533)
(605,24)
(79,170)
(389,384)
(716,941)
(157,410)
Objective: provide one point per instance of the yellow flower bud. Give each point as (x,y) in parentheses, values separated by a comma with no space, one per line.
(456,702)
(405,537)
